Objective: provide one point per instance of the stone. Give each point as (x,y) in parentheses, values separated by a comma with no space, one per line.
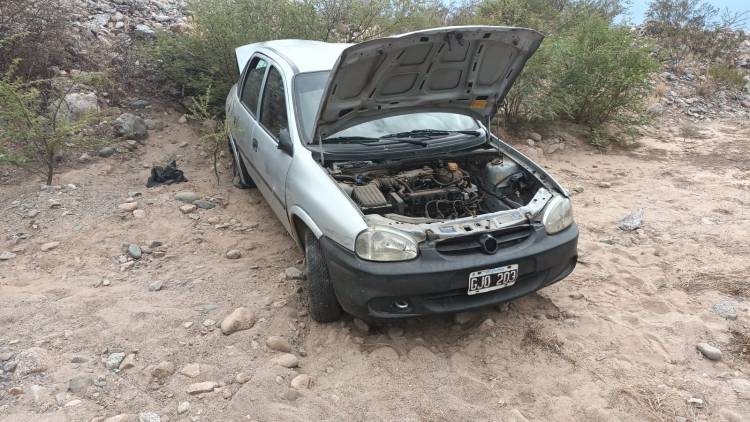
(10,366)
(162,370)
(182,119)
(84,158)
(361,326)
(242,378)
(143,31)
(80,383)
(128,206)
(106,152)
(233,254)
(191,370)
(139,214)
(148,417)
(139,104)
(655,109)
(114,360)
(32,361)
(240,319)
(201,387)
(129,125)
(293,273)
(301,381)
(187,324)
(135,251)
(72,403)
(278,344)
(209,323)
(186,196)
(286,360)
(76,106)
(49,246)
(604,185)
(188,208)
(725,310)
(696,402)
(535,137)
(710,352)
(128,362)
(183,407)
(632,221)
(6,255)
(202,204)
(155,286)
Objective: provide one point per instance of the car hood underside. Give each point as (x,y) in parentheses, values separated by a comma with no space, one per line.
(467,69)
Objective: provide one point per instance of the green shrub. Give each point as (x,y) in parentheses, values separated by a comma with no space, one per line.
(727,75)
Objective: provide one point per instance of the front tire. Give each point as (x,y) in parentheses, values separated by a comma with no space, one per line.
(322,304)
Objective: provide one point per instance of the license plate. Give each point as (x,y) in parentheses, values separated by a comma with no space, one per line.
(492,279)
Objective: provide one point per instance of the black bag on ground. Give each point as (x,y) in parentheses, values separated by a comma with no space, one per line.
(165,175)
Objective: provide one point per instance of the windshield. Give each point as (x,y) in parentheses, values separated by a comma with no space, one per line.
(309,90)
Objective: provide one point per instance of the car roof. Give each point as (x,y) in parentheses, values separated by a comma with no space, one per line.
(302,55)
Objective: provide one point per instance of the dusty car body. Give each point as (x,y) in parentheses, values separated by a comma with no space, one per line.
(377,159)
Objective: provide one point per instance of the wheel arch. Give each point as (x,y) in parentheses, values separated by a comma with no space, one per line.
(300,220)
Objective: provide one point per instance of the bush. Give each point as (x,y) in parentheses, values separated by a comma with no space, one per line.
(727,75)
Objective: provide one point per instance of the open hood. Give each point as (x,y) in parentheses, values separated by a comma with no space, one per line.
(461,69)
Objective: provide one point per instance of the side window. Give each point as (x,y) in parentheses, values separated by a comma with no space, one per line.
(253,80)
(273,106)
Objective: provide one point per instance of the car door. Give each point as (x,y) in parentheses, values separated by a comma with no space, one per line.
(271,162)
(245,118)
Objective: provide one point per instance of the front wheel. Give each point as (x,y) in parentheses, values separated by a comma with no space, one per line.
(321,299)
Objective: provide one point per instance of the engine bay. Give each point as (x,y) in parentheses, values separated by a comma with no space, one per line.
(423,191)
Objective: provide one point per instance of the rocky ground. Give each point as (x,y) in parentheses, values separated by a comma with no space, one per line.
(125,303)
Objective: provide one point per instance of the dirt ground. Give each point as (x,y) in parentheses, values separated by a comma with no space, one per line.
(616,341)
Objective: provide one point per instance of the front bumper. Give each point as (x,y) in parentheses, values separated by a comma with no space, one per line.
(437,283)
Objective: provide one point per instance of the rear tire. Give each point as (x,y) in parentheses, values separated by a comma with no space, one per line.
(321,299)
(240,178)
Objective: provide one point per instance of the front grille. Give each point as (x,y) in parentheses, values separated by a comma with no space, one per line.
(470,243)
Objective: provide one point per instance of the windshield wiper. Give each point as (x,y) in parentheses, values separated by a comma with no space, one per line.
(428,133)
(350,140)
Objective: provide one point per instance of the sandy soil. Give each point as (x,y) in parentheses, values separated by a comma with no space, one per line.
(615,341)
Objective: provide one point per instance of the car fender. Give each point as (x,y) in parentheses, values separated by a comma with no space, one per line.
(298,212)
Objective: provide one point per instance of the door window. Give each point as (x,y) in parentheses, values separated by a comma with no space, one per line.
(273,106)
(253,81)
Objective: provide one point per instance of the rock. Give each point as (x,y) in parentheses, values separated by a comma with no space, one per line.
(32,361)
(201,387)
(361,326)
(114,360)
(191,370)
(286,360)
(696,402)
(710,352)
(77,106)
(655,109)
(79,384)
(6,255)
(106,151)
(188,208)
(233,254)
(148,417)
(301,381)
(535,137)
(206,205)
(632,221)
(128,206)
(183,407)
(163,370)
(49,246)
(725,310)
(129,125)
(186,196)
(279,344)
(139,214)
(6,356)
(143,31)
(240,319)
(84,158)
(293,273)
(128,362)
(604,185)
(154,124)
(140,104)
(182,119)
(209,323)
(242,378)
(135,251)
(578,189)
(155,286)
(9,366)
(72,403)
(187,324)
(530,142)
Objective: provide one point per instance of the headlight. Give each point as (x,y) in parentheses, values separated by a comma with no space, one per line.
(385,244)
(558,215)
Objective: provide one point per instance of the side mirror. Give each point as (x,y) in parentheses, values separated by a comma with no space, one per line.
(285,142)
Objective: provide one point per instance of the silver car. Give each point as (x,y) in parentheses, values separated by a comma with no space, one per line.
(377,159)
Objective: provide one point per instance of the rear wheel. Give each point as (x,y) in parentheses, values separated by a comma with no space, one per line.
(321,299)
(240,178)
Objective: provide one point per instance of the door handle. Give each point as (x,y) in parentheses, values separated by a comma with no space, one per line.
(255,144)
